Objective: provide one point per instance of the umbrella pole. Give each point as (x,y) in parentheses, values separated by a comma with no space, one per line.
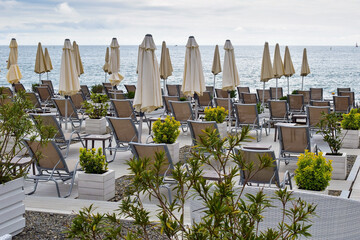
(288,85)
(214,86)
(263,97)
(66,110)
(302,83)
(47,75)
(105,77)
(140,126)
(276,94)
(165,91)
(229,114)
(39,78)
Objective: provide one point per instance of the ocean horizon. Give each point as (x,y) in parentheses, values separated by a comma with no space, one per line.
(331,66)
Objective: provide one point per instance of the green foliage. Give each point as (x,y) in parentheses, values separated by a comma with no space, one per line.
(295,92)
(351,120)
(313,172)
(228,214)
(15,125)
(260,108)
(329,128)
(130,95)
(92,161)
(166,131)
(233,94)
(98,107)
(97,88)
(182,99)
(217,114)
(283,98)
(34,86)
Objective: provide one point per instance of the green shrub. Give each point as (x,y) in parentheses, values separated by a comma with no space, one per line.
(351,120)
(233,94)
(283,98)
(97,88)
(313,172)
(330,129)
(166,131)
(217,114)
(34,86)
(260,108)
(182,99)
(98,107)
(130,95)
(295,92)
(92,161)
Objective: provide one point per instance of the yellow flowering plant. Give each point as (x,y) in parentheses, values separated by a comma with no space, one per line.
(166,131)
(92,161)
(313,172)
(217,114)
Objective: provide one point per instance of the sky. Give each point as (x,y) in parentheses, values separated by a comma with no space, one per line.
(244,22)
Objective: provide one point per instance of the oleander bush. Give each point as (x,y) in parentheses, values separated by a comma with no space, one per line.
(351,120)
(92,161)
(217,114)
(166,131)
(313,172)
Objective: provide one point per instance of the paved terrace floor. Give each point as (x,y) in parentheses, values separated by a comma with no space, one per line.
(45,198)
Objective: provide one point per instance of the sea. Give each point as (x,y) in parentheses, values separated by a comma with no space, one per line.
(331,66)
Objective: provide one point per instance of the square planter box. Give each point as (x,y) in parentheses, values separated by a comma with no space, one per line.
(222,129)
(174,151)
(350,138)
(95,126)
(96,186)
(339,164)
(12,208)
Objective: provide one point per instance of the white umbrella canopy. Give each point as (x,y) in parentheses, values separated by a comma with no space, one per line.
(266,68)
(278,66)
(40,66)
(14,74)
(216,65)
(193,79)
(114,63)
(166,68)
(305,69)
(77,58)
(230,74)
(289,69)
(48,64)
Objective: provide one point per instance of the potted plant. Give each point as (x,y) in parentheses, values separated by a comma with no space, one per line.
(218,115)
(329,128)
(130,95)
(167,131)
(96,181)
(96,110)
(97,88)
(351,123)
(313,172)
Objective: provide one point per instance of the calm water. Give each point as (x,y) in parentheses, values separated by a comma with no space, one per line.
(330,67)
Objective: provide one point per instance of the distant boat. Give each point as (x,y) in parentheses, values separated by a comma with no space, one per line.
(356,45)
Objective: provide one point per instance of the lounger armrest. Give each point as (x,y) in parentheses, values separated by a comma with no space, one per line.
(147,139)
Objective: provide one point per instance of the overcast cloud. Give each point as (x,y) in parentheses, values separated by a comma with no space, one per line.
(245,22)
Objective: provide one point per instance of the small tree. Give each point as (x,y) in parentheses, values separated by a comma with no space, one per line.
(329,128)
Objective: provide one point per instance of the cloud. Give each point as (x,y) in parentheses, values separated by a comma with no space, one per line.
(64,8)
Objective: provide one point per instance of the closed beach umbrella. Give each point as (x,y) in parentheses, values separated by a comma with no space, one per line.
(40,66)
(166,68)
(148,89)
(48,64)
(193,79)
(278,66)
(69,80)
(114,63)
(77,58)
(216,65)
(305,69)
(230,74)
(14,74)
(266,68)
(289,69)
(106,65)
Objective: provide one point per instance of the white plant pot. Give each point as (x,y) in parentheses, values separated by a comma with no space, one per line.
(95,126)
(222,129)
(339,164)
(96,186)
(12,208)
(350,138)
(174,151)
(325,192)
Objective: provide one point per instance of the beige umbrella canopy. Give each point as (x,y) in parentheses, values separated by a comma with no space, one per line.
(106,65)
(14,74)
(193,79)
(230,74)
(114,63)
(40,66)
(305,69)
(77,58)
(278,66)
(216,65)
(266,67)
(166,68)
(289,69)
(48,64)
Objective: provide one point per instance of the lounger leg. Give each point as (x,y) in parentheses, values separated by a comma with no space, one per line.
(35,187)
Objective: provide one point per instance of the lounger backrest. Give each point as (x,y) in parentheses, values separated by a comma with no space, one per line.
(294,139)
(6,91)
(49,120)
(278,109)
(273,92)
(5,100)
(205,99)
(210,89)
(149,150)
(343,90)
(117,94)
(316,94)
(221,93)
(181,110)
(49,83)
(19,87)
(173,90)
(223,102)
(247,114)
(306,96)
(249,98)
(78,100)
(197,128)
(47,156)
(320,103)
(123,108)
(315,113)
(341,104)
(85,90)
(124,129)
(166,100)
(130,88)
(265,175)
(296,102)
(266,93)
(70,112)
(44,93)
(350,94)
(33,99)
(242,90)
